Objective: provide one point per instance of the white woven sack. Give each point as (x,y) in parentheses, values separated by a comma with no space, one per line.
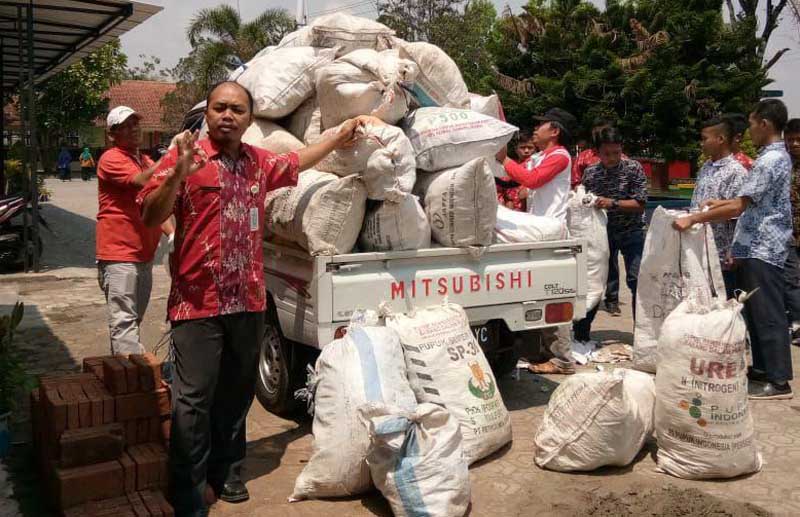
(703,422)
(586,221)
(439,82)
(299,122)
(365,366)
(446,366)
(596,419)
(364,83)
(349,33)
(323,214)
(382,154)
(396,226)
(513,226)
(416,460)
(675,266)
(489,105)
(461,203)
(281,80)
(449,137)
(270,136)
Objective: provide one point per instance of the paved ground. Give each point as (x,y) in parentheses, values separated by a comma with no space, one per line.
(65,321)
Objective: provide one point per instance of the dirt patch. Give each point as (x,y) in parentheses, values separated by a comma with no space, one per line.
(670,502)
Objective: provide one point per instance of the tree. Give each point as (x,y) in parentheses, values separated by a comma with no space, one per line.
(75,97)
(747,15)
(149,70)
(219,37)
(461,29)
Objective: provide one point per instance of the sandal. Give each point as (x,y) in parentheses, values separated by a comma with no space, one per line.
(552,368)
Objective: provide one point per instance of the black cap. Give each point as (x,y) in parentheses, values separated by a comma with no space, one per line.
(563,117)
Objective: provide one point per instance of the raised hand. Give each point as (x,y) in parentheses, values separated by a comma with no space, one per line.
(191,158)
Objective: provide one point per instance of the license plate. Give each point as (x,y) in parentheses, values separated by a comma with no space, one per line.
(482,334)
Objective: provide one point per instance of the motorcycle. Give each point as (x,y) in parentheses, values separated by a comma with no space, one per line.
(12,234)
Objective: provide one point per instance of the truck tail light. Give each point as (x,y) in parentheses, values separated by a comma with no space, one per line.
(340,332)
(558,312)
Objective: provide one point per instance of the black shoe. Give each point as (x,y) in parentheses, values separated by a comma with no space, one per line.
(796,337)
(234,492)
(768,391)
(613,309)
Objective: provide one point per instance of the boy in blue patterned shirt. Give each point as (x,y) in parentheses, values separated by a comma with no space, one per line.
(760,247)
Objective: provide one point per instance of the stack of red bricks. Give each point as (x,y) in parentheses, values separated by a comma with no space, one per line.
(101,437)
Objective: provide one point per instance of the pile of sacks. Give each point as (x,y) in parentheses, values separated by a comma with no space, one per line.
(405,404)
(423,167)
(696,406)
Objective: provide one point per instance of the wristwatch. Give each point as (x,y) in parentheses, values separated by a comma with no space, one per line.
(615,204)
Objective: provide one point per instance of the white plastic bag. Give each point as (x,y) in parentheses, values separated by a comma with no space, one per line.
(703,422)
(596,419)
(449,137)
(365,366)
(675,266)
(281,80)
(513,226)
(461,203)
(446,366)
(416,460)
(396,226)
(586,221)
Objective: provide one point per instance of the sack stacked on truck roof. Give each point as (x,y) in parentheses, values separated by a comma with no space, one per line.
(703,422)
(396,226)
(270,136)
(446,366)
(461,203)
(364,367)
(675,266)
(342,32)
(323,214)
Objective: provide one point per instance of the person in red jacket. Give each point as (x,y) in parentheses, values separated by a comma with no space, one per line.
(546,175)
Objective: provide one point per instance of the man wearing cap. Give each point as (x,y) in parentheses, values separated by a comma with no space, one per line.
(547,178)
(125,246)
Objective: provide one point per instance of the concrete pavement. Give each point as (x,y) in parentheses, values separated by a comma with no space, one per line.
(65,321)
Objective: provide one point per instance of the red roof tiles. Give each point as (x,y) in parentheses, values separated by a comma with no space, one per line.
(144,97)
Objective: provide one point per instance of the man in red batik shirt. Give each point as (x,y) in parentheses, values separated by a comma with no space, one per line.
(216,190)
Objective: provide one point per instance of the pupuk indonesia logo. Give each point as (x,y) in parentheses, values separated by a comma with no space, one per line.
(693,407)
(480,384)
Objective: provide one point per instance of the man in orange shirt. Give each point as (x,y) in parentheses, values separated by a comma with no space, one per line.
(125,246)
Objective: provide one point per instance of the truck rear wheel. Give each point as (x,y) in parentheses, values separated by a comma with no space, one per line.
(274,388)
(504,362)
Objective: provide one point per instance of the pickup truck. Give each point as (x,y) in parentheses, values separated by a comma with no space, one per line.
(506,289)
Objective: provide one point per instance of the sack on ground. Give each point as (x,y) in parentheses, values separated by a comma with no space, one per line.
(703,422)
(446,366)
(365,366)
(270,136)
(586,221)
(395,226)
(382,154)
(596,419)
(674,267)
(489,106)
(449,137)
(513,227)
(461,203)
(281,80)
(323,214)
(439,82)
(416,460)
(364,83)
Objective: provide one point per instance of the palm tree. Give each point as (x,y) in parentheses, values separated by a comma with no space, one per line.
(219,34)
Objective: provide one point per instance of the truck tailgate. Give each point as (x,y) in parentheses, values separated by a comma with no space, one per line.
(501,275)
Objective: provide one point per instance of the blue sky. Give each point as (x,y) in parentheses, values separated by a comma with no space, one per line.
(164,35)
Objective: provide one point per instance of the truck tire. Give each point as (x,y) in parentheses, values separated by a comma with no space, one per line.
(275,386)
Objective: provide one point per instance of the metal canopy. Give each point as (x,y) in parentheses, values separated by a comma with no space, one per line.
(64,31)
